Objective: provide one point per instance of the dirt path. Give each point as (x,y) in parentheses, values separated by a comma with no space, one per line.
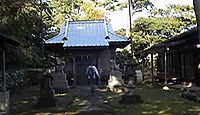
(85,103)
(77,101)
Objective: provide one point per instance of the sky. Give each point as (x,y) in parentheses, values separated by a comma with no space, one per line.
(119,19)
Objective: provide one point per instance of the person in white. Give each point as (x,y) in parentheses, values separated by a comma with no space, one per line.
(93,76)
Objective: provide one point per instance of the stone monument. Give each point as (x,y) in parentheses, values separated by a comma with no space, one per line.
(60,83)
(115,79)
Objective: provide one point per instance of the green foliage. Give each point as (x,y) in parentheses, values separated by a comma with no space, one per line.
(121,57)
(25,20)
(91,12)
(113,5)
(20,20)
(62,9)
(161,25)
(82,10)
(121,32)
(140,5)
(183,13)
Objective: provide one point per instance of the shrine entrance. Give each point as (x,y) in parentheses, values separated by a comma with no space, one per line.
(82,63)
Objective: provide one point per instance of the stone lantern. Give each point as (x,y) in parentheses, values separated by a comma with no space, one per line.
(46,92)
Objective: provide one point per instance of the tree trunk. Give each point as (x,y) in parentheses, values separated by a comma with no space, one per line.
(196,4)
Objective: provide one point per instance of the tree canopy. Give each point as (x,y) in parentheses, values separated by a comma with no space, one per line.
(82,9)
(20,19)
(160,25)
(25,20)
(29,22)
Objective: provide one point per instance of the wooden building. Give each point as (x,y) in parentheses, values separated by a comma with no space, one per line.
(4,41)
(4,94)
(178,57)
(84,42)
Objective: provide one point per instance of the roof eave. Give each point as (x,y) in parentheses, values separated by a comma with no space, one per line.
(120,44)
(8,40)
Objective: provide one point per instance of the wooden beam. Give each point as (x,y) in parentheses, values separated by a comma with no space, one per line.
(74,70)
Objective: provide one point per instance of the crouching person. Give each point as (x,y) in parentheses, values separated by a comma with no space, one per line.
(93,77)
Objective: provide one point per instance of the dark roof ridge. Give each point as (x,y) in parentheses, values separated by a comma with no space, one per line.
(176,37)
(78,21)
(5,38)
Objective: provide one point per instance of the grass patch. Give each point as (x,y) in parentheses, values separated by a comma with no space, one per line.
(156,101)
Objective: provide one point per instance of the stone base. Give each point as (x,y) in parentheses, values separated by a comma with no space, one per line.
(4,101)
(46,102)
(61,90)
(47,93)
(195,96)
(115,89)
(192,93)
(60,86)
(46,99)
(132,99)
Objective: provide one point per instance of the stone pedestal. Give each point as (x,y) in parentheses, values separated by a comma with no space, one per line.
(131,99)
(130,96)
(192,93)
(4,102)
(47,99)
(60,83)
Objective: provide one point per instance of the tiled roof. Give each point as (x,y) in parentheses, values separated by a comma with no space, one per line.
(86,34)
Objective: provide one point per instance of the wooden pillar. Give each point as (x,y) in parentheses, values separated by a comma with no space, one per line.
(99,66)
(143,69)
(55,57)
(165,59)
(74,70)
(152,67)
(3,71)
